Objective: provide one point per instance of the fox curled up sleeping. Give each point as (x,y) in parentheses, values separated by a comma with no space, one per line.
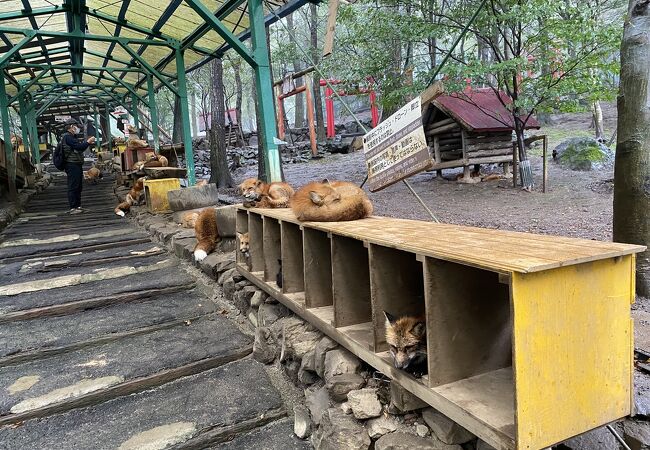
(331,201)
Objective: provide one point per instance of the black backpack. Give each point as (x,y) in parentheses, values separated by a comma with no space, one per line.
(58,157)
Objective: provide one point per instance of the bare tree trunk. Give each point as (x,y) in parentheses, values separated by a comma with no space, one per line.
(318,100)
(299,117)
(219,173)
(177,132)
(632,169)
(238,92)
(597,114)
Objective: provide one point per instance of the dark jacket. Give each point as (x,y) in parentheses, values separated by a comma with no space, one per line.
(73,149)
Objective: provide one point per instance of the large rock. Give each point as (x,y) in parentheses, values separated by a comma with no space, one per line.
(324,345)
(583,153)
(405,441)
(306,373)
(482,445)
(339,385)
(317,401)
(380,426)
(193,197)
(264,348)
(299,336)
(340,361)
(364,403)
(446,429)
(637,434)
(301,421)
(403,400)
(599,438)
(339,431)
(269,314)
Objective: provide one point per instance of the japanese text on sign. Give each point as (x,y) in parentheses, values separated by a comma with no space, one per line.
(397,147)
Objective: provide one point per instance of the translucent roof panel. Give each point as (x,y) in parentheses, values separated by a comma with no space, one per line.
(155,23)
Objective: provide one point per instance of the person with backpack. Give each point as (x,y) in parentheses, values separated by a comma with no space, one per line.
(72,151)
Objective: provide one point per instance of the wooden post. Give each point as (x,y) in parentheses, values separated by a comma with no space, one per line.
(545,166)
(310,117)
(466,170)
(280,113)
(436,155)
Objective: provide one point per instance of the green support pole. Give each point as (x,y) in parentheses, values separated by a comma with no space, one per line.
(24,126)
(264,87)
(6,137)
(134,111)
(96,120)
(153,114)
(33,132)
(109,135)
(185,117)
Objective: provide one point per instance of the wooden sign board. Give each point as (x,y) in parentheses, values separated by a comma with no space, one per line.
(397,147)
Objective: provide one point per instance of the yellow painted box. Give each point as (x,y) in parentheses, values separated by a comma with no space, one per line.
(155,192)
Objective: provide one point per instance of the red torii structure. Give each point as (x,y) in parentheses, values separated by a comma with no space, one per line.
(329,104)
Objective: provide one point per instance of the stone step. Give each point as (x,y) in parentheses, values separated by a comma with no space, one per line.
(191,412)
(16,250)
(39,269)
(274,436)
(134,363)
(59,264)
(34,338)
(100,290)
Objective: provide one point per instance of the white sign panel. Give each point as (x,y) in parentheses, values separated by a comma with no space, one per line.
(397,147)
(62,118)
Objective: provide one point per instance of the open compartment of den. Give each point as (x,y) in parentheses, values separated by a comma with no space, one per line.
(256,239)
(469,340)
(241,225)
(318,269)
(272,250)
(351,290)
(397,287)
(293,267)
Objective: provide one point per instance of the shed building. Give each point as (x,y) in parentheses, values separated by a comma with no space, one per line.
(471,127)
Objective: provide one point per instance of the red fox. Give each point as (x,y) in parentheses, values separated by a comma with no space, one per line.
(132,198)
(407,338)
(259,194)
(188,220)
(331,201)
(93,174)
(207,234)
(244,244)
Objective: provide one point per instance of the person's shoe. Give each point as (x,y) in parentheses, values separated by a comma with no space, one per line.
(76,211)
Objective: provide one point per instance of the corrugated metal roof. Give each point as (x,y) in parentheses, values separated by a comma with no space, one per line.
(480,110)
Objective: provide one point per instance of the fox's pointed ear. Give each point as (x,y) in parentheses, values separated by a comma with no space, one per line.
(315,198)
(239,235)
(390,320)
(258,182)
(325,181)
(419,329)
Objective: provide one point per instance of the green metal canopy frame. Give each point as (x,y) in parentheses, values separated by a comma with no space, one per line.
(91,56)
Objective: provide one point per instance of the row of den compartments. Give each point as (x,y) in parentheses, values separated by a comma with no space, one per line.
(467,309)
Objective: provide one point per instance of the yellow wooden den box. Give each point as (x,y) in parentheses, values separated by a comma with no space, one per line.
(155,192)
(529,337)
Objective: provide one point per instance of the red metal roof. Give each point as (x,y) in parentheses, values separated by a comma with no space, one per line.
(480,110)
